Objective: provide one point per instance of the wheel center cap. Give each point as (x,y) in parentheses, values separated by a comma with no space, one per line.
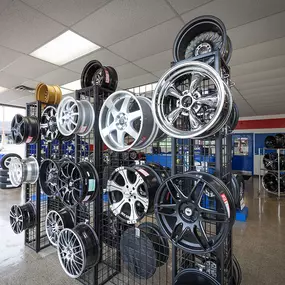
(188,212)
(70,184)
(121,121)
(203,48)
(186,101)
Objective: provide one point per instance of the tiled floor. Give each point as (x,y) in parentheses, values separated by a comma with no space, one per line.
(259,245)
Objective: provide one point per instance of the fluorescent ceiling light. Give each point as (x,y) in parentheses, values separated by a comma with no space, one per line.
(75,85)
(65,91)
(2,89)
(65,48)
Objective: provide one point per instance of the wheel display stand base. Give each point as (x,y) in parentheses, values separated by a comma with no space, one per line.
(241,215)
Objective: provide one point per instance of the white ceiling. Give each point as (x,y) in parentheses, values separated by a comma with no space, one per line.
(136,37)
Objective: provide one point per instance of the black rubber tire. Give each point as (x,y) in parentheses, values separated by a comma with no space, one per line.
(5,179)
(8,155)
(6,186)
(4,172)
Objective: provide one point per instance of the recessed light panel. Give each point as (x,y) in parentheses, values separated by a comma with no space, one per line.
(2,89)
(65,48)
(75,85)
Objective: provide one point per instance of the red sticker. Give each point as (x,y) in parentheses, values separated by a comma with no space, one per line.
(226,202)
(142,171)
(107,76)
(29,139)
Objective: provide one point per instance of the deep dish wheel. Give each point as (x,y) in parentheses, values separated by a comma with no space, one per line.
(193,112)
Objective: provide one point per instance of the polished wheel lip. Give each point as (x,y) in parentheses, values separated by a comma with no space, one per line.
(71,122)
(166,82)
(191,217)
(122,120)
(30,175)
(16,172)
(130,195)
(48,114)
(64,240)
(54,225)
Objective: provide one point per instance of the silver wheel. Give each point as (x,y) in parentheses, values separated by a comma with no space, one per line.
(194,111)
(15,172)
(126,121)
(56,222)
(75,117)
(78,249)
(128,200)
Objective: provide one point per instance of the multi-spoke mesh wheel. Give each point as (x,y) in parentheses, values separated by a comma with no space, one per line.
(78,249)
(24,129)
(75,117)
(56,222)
(202,35)
(196,276)
(126,121)
(270,161)
(270,182)
(194,221)
(49,177)
(195,111)
(48,124)
(22,217)
(131,192)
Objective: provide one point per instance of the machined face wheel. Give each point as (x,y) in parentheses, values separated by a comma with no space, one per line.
(16,172)
(22,217)
(131,192)
(48,124)
(270,161)
(48,178)
(193,222)
(193,112)
(75,117)
(126,121)
(24,129)
(56,222)
(78,249)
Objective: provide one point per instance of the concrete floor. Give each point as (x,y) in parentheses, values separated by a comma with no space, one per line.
(259,245)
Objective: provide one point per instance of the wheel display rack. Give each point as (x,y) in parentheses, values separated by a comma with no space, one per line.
(130,258)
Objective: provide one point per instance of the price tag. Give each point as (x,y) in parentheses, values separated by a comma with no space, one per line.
(226,202)
(138,232)
(29,139)
(142,171)
(107,76)
(82,129)
(91,185)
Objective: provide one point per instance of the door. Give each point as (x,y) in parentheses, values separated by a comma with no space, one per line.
(242,154)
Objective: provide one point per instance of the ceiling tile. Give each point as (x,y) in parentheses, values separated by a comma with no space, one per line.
(103,55)
(259,31)
(159,73)
(182,6)
(236,95)
(244,109)
(156,62)
(4,4)
(29,66)
(258,52)
(137,81)
(31,83)
(121,19)
(259,76)
(10,81)
(257,66)
(273,98)
(269,111)
(12,95)
(265,90)
(24,29)
(260,84)
(235,13)
(23,100)
(128,70)
(149,42)
(7,56)
(67,12)
(58,77)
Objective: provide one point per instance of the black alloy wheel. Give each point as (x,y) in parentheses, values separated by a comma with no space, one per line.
(186,214)
(270,182)
(24,129)
(270,142)
(22,217)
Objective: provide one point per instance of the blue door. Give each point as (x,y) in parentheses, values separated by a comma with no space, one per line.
(242,153)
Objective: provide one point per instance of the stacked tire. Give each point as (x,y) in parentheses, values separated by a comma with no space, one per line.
(5,182)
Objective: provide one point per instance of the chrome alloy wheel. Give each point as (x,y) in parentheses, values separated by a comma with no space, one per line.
(126,122)
(16,172)
(75,117)
(192,112)
(48,124)
(56,222)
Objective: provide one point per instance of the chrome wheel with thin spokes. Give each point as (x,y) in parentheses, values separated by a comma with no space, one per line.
(56,222)
(48,124)
(78,249)
(194,111)
(22,217)
(75,117)
(193,220)
(126,121)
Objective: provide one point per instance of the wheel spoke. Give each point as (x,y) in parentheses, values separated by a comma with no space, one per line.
(196,79)
(125,106)
(195,123)
(174,115)
(107,130)
(167,210)
(121,137)
(134,115)
(132,132)
(113,186)
(177,231)
(173,92)
(117,207)
(210,101)
(133,214)
(174,190)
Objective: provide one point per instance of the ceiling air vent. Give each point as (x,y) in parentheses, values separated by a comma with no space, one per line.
(25,88)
